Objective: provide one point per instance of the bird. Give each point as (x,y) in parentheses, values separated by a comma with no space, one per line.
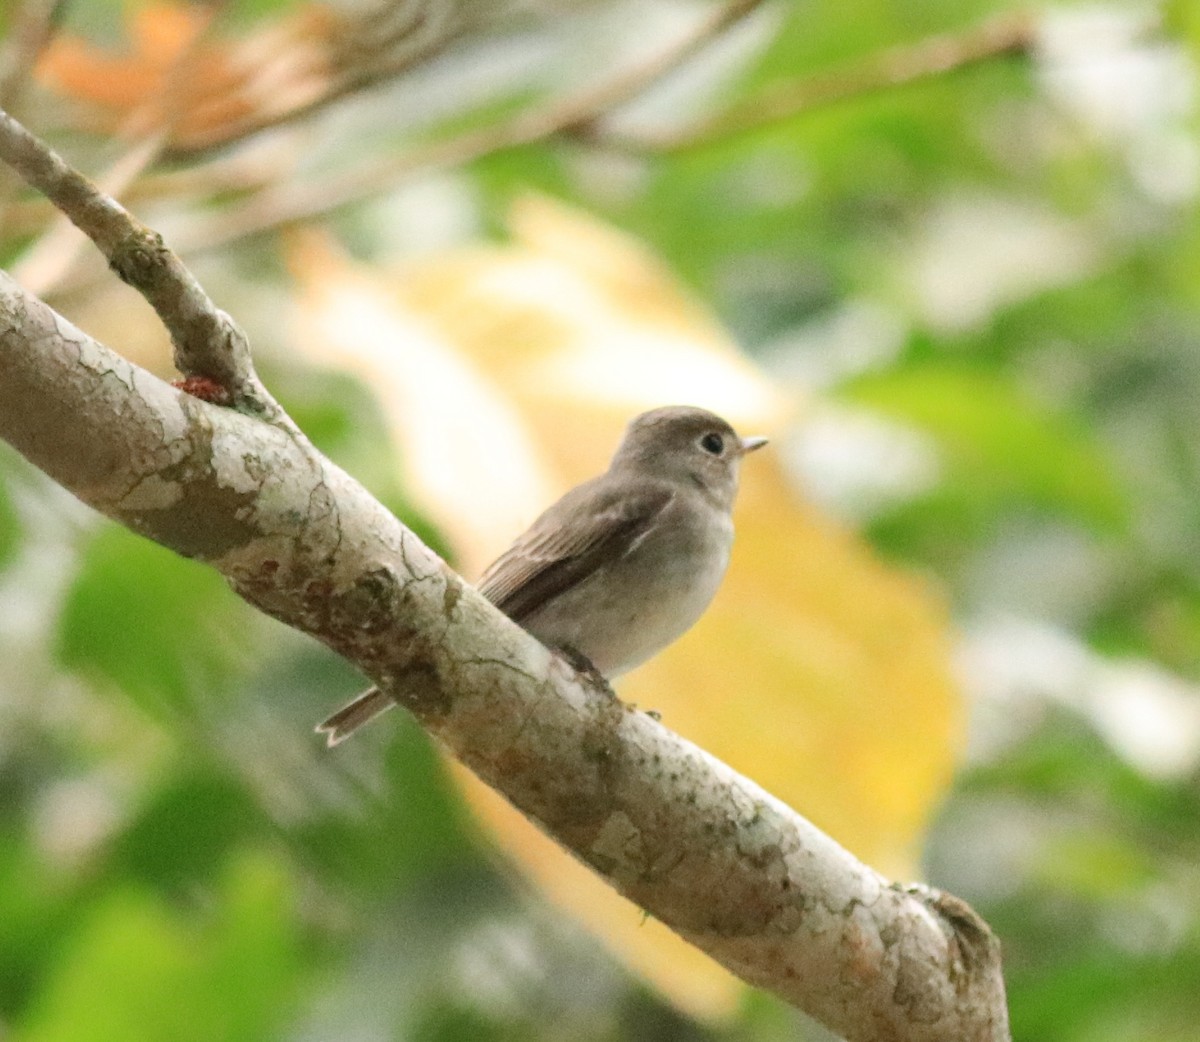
(623,564)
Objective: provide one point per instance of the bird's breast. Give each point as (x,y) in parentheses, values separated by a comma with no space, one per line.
(637,604)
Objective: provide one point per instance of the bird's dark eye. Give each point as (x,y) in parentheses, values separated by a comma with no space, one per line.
(713,443)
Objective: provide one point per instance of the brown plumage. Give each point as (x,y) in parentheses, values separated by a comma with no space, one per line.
(623,564)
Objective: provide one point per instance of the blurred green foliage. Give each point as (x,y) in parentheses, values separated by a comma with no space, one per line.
(179,860)
(125,623)
(1096,946)
(247,954)
(1001,447)
(9,531)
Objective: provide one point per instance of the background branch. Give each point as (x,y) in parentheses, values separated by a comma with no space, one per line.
(32,27)
(149,127)
(363,58)
(586,116)
(1008,34)
(288,203)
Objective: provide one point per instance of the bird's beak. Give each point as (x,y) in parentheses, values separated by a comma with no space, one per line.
(750,444)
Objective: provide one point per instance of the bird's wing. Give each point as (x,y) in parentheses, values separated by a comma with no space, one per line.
(588,527)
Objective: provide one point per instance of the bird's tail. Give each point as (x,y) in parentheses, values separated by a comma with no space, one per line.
(342,724)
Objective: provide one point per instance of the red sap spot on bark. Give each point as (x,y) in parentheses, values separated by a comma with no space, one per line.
(205,388)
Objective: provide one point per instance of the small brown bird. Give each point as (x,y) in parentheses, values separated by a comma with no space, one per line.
(624,564)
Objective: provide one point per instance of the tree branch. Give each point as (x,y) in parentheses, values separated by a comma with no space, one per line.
(720,861)
(209,345)
(290,203)
(31,27)
(1011,33)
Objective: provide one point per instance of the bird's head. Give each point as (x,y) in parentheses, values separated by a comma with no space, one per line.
(686,444)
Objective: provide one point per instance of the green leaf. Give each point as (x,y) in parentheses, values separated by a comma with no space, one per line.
(220,814)
(242,16)
(165,631)
(35,914)
(1000,442)
(140,969)
(9,527)
(411,828)
(1181,18)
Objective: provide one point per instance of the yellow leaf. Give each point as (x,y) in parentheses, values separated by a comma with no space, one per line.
(819,671)
(468,454)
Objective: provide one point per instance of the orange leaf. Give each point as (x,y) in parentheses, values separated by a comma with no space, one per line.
(204,91)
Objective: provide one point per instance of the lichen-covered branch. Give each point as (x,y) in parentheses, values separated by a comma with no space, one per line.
(703,849)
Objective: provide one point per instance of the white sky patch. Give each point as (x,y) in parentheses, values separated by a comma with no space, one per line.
(860,336)
(1098,62)
(1149,716)
(1012,666)
(857,464)
(74,816)
(32,585)
(1128,86)
(638,30)
(1039,569)
(501,955)
(433,213)
(979,253)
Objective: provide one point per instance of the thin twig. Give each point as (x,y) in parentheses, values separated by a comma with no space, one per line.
(47,262)
(240,173)
(209,345)
(1008,34)
(290,203)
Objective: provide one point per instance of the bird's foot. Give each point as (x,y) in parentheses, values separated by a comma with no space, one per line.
(584,666)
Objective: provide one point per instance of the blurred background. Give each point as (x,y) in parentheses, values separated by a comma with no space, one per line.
(944,253)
